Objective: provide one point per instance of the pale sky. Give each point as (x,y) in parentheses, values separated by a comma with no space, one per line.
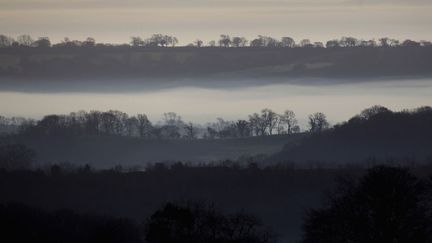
(117,20)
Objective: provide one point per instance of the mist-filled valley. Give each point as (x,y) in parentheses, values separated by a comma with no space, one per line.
(232,141)
(339,99)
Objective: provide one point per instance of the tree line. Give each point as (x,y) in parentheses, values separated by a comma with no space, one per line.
(172,126)
(225,40)
(192,222)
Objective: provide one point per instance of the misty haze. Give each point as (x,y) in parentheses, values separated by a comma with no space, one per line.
(234,100)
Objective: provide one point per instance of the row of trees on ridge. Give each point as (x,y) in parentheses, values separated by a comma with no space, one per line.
(172,126)
(162,40)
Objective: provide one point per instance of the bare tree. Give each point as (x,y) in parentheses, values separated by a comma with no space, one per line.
(289,121)
(373,111)
(136,41)
(384,41)
(243,128)
(256,43)
(239,41)
(257,124)
(198,43)
(410,43)
(212,43)
(144,126)
(6,41)
(270,119)
(224,41)
(348,42)
(318,44)
(172,41)
(425,43)
(42,42)
(25,40)
(305,43)
(268,41)
(131,126)
(318,122)
(332,44)
(190,131)
(89,42)
(162,40)
(287,42)
(173,125)
(367,43)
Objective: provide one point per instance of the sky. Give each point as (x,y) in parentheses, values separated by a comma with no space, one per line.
(115,21)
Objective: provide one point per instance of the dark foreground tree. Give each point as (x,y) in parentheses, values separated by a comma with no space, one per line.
(387,205)
(201,223)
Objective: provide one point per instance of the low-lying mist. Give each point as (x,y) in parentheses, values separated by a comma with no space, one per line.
(339,100)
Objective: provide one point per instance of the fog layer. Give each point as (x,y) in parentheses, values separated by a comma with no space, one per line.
(338,101)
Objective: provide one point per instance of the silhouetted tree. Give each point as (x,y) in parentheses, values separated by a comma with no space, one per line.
(373,111)
(387,205)
(332,44)
(190,130)
(224,41)
(256,43)
(25,40)
(305,43)
(287,42)
(289,121)
(270,119)
(410,43)
(202,223)
(257,124)
(144,126)
(212,43)
(6,41)
(68,43)
(136,41)
(425,43)
(318,122)
(243,128)
(318,44)
(162,40)
(211,133)
(348,42)
(367,43)
(265,41)
(239,42)
(198,43)
(384,41)
(89,42)
(131,126)
(42,42)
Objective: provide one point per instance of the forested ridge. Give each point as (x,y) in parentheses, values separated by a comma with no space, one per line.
(226,58)
(376,133)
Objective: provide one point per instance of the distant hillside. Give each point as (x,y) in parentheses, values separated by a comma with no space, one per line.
(211,62)
(376,133)
(108,151)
